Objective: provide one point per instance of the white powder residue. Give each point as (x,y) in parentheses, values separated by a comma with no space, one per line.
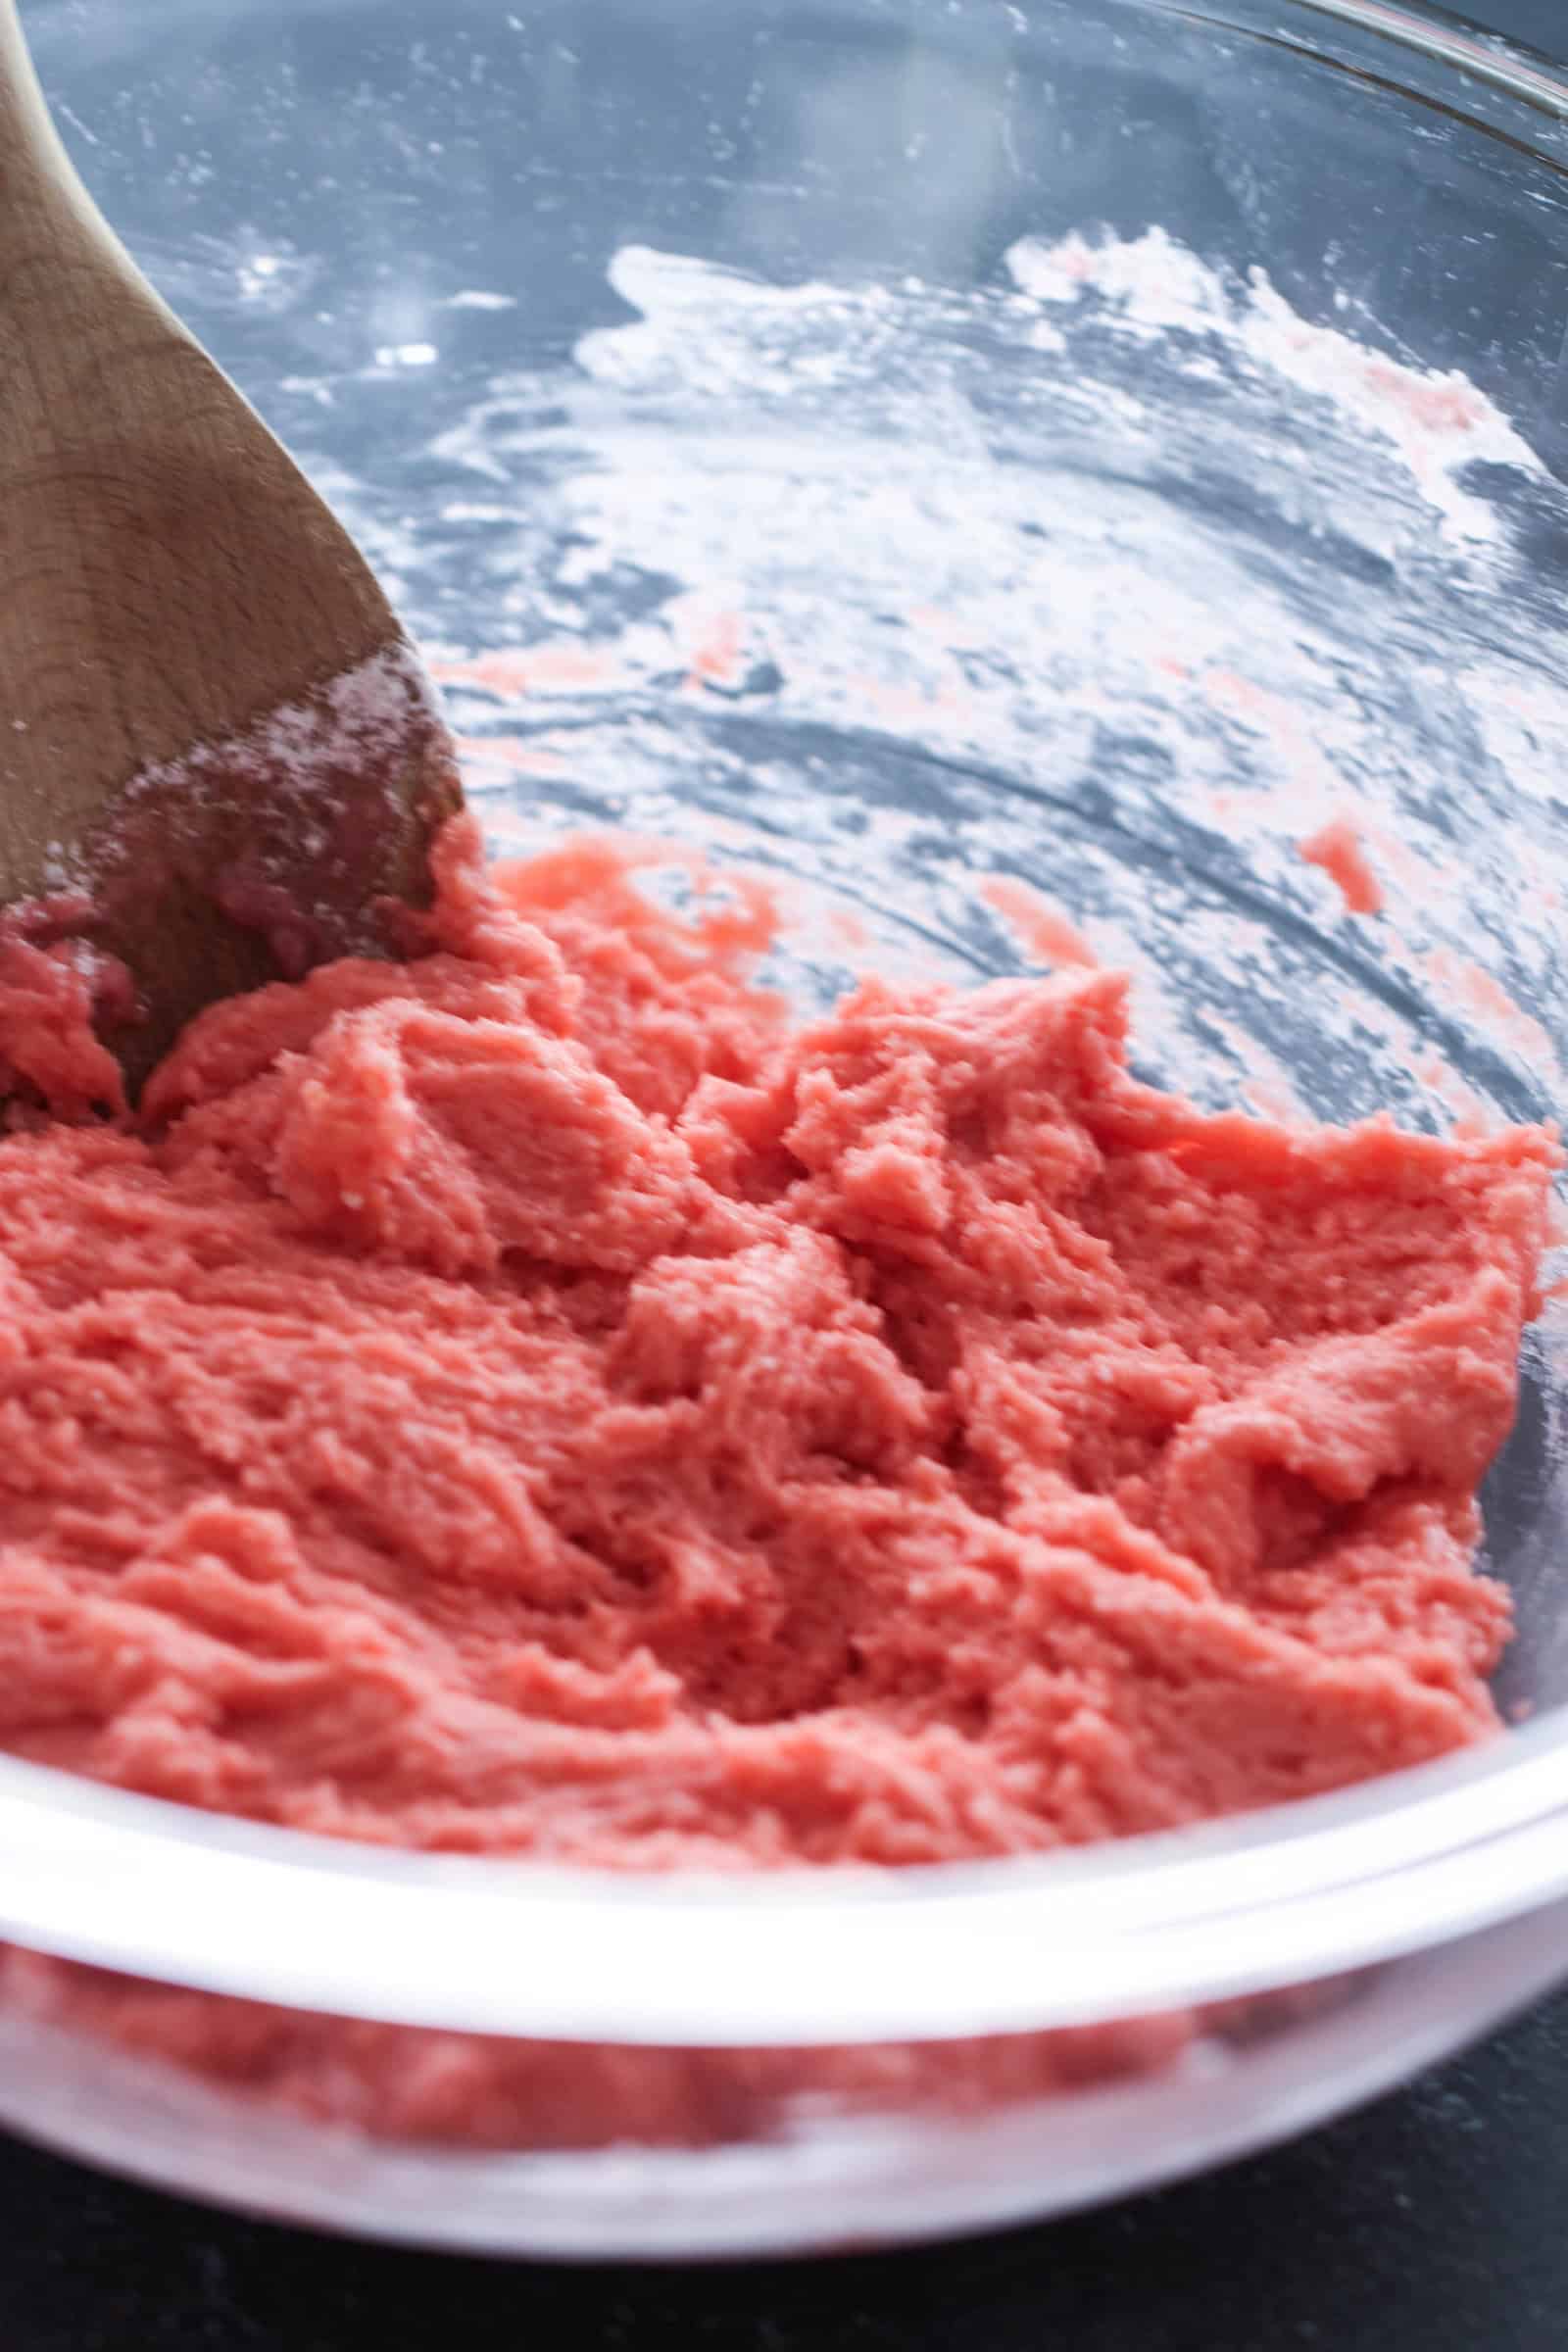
(1438,423)
(355,723)
(1117,578)
(1154,283)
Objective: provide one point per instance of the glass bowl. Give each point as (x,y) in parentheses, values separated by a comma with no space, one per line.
(1008,474)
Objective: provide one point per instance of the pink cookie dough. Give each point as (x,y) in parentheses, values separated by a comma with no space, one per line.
(535,1401)
(1336,848)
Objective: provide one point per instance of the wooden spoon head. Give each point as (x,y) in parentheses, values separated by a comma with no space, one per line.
(219,757)
(258,855)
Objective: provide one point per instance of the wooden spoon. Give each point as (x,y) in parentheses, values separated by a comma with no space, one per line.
(219,755)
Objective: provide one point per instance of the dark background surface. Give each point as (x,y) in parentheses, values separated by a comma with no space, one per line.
(1432,2222)
(1436,2220)
(1542,22)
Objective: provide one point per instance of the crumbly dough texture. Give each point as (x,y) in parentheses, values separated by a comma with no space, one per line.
(535,1401)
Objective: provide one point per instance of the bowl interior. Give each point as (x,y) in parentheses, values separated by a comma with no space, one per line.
(1008,473)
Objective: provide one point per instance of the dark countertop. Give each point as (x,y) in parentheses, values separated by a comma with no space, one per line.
(1536,20)
(1433,2220)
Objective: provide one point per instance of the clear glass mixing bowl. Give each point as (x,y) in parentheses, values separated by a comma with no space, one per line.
(907,445)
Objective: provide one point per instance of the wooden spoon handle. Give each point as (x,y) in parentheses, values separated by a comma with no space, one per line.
(126,457)
(47,217)
(30,145)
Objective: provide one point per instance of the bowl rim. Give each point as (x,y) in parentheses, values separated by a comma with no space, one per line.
(1511,66)
(1283,1896)
(1317,1888)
